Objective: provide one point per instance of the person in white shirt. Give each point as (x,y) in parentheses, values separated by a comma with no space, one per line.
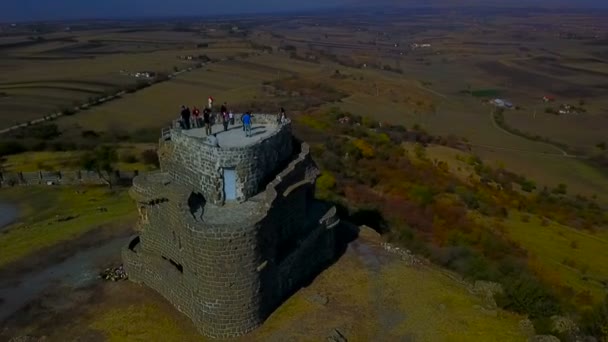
(282,116)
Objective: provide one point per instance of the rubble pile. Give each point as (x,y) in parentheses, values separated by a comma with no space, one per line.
(114,274)
(405,254)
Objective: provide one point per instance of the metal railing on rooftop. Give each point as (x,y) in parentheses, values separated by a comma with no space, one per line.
(165,133)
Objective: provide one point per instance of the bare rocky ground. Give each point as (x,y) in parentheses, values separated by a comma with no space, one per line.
(368,294)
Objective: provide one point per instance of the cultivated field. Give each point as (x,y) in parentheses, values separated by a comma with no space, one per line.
(237,82)
(60,71)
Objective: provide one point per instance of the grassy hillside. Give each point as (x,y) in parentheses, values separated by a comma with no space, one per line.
(52,215)
(430,200)
(370,295)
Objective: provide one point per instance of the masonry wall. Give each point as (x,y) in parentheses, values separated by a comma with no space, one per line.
(229,277)
(193,162)
(68,177)
(218,285)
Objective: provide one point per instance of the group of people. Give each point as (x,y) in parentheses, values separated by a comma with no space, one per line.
(194,119)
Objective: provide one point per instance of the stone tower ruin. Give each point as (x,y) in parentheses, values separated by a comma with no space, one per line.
(227,231)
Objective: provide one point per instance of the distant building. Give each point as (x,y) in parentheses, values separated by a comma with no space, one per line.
(548,98)
(144,74)
(498,103)
(502,103)
(420,46)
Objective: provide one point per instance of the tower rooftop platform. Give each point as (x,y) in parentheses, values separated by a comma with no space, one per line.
(235,136)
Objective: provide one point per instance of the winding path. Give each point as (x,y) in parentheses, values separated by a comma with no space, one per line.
(562,152)
(96,102)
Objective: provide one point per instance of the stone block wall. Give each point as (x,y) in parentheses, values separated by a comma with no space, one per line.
(228,277)
(208,272)
(68,177)
(31,177)
(193,162)
(50,176)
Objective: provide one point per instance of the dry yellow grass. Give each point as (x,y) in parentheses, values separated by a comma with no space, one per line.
(154,107)
(372,296)
(38,227)
(573,257)
(70,160)
(62,73)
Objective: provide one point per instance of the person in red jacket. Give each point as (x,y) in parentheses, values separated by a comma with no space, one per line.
(196,116)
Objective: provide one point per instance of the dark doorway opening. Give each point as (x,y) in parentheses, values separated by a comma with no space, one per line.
(133,244)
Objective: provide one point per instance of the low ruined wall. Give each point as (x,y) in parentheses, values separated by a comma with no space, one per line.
(68,177)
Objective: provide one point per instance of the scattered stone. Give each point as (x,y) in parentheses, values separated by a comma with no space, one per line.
(487,290)
(318,299)
(527,327)
(102,209)
(488,287)
(114,274)
(563,325)
(336,336)
(405,254)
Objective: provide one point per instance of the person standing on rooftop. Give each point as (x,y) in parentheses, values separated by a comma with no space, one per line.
(219,117)
(225,121)
(210,102)
(185,113)
(196,116)
(207,120)
(282,117)
(247,124)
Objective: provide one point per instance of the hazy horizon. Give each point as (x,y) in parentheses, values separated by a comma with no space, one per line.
(34,10)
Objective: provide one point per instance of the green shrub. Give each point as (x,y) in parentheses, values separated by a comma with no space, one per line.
(11,147)
(525,294)
(594,321)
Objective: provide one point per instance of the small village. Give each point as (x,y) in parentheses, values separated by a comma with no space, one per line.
(562,109)
(139,74)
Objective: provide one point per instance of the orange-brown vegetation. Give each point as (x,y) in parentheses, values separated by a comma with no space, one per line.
(415,202)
